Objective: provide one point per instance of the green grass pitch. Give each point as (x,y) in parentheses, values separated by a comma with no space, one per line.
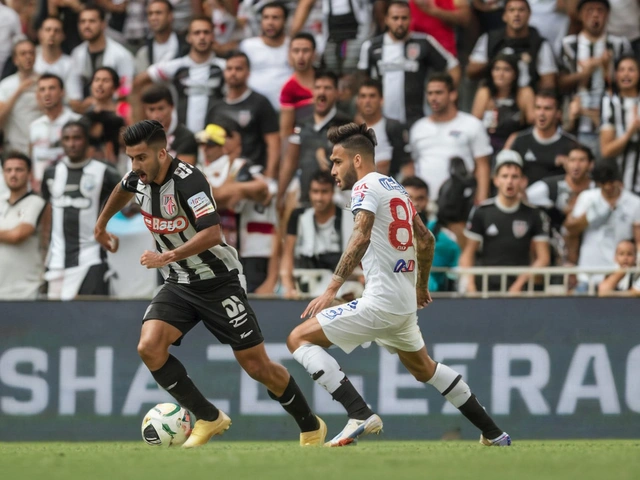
(371,459)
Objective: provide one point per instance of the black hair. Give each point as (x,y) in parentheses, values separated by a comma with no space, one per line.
(525,1)
(512,61)
(83,124)
(415,182)
(304,36)
(146,131)
(16,155)
(327,74)
(48,76)
(19,40)
(52,17)
(443,77)
(93,7)
(155,94)
(584,149)
(323,177)
(356,138)
(165,2)
(372,83)
(399,3)
(114,76)
(239,54)
(279,5)
(549,93)
(620,60)
(229,125)
(606,171)
(199,18)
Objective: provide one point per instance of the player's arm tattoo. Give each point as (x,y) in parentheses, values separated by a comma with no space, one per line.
(358,244)
(425,245)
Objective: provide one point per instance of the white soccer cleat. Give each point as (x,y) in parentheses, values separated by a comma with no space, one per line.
(503,440)
(355,429)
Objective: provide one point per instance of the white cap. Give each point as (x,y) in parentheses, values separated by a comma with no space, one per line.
(508,157)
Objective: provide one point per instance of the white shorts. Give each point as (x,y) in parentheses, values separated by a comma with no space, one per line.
(352,324)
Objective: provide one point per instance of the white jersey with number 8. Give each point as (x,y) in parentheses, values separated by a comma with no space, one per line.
(389,263)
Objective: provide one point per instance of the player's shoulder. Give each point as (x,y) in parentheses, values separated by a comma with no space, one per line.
(489,203)
(183,173)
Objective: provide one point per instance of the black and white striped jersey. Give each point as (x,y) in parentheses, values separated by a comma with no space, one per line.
(76,193)
(174,212)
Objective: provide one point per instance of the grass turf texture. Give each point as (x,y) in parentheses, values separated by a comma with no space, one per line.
(371,459)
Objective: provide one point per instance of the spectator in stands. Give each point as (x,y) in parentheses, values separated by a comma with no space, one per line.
(316,235)
(622,283)
(76,187)
(447,251)
(9,32)
(18,103)
(503,107)
(535,57)
(402,60)
(544,147)
(50,57)
(68,11)
(197,77)
(255,115)
(269,54)
(551,19)
(164,44)
(620,127)
(603,216)
(45,131)
(308,148)
(296,96)
(21,213)
(105,123)
(240,192)
(97,51)
(587,64)
(624,21)
(439,18)
(490,14)
(449,133)
(157,104)
(392,151)
(507,229)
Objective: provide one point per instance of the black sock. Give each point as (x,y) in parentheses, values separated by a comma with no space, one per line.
(172,376)
(351,400)
(477,415)
(294,403)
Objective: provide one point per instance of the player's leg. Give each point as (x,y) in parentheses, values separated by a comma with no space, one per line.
(283,388)
(450,384)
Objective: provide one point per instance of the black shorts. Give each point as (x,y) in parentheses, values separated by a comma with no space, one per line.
(224,309)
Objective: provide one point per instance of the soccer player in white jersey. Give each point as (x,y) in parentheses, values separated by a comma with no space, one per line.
(396,251)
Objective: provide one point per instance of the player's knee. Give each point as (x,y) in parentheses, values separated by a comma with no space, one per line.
(426,371)
(294,340)
(147,350)
(256,370)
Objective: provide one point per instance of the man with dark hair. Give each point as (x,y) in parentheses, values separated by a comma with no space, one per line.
(535,56)
(202,284)
(392,150)
(45,131)
(545,146)
(21,213)
(402,60)
(269,54)
(164,44)
(196,77)
(308,149)
(255,115)
(157,104)
(77,187)
(51,59)
(396,250)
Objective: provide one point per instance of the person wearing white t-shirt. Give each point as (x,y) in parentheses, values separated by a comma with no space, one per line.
(622,283)
(449,133)
(396,251)
(164,44)
(604,216)
(269,54)
(10,29)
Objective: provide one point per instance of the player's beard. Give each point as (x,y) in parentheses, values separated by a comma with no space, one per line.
(349,179)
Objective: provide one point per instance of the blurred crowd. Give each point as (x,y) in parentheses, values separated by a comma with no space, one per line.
(512,124)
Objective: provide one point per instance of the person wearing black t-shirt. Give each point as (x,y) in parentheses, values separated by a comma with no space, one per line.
(506,228)
(544,147)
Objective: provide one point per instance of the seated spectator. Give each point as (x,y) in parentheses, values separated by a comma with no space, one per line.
(507,229)
(503,107)
(603,216)
(447,251)
(535,57)
(622,283)
(620,128)
(21,214)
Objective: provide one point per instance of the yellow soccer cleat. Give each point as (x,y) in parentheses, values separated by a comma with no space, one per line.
(314,438)
(203,430)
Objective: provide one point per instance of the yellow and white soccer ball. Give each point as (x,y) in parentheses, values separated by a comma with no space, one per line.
(166,424)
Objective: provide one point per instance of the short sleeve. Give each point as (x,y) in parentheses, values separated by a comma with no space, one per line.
(44,186)
(582,204)
(196,193)
(32,210)
(364,198)
(363,61)
(268,117)
(480,141)
(111,179)
(475,225)
(164,71)
(439,58)
(546,60)
(538,195)
(479,53)
(292,226)
(5,94)
(540,228)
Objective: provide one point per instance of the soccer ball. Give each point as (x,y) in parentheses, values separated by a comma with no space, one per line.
(166,424)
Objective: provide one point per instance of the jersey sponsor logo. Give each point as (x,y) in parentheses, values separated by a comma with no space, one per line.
(403,266)
(455,133)
(332,313)
(492,231)
(361,187)
(64,201)
(201,204)
(530,156)
(403,65)
(390,184)
(169,204)
(163,226)
(520,228)
(88,182)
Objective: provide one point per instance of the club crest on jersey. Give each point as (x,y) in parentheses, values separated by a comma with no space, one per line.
(244,117)
(413,51)
(403,266)
(169,204)
(520,228)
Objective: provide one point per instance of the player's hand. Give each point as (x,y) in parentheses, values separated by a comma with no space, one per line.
(108,240)
(423,296)
(151,259)
(318,304)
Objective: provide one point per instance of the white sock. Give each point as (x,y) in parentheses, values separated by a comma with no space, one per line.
(322,367)
(450,384)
